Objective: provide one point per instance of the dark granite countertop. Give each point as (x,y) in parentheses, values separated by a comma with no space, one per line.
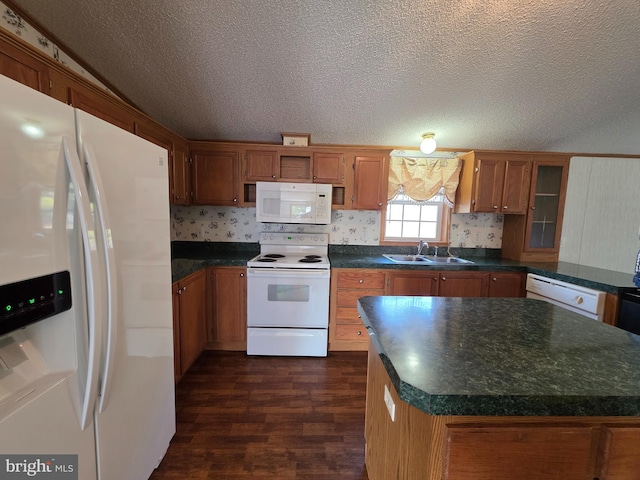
(191,256)
(503,356)
(589,277)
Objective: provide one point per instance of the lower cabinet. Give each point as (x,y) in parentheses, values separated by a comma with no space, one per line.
(417,445)
(464,284)
(227,305)
(346,330)
(189,311)
(456,283)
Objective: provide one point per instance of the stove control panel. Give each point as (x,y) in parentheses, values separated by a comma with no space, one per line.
(282,238)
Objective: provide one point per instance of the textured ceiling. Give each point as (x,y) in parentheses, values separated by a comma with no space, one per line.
(495,74)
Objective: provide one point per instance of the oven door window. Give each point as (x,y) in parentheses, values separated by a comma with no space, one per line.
(288,293)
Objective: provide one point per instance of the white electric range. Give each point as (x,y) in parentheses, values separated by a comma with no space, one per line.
(288,295)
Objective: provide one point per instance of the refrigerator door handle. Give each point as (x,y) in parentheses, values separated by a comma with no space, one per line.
(110,262)
(93,280)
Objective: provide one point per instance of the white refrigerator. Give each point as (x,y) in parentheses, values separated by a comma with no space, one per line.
(86,340)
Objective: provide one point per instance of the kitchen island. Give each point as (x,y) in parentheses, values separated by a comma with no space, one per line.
(497,388)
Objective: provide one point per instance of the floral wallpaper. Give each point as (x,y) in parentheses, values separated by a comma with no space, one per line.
(15,24)
(348,227)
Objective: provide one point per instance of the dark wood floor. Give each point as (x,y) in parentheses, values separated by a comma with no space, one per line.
(275,418)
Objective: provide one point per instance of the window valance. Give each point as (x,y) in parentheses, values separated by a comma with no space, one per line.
(422,178)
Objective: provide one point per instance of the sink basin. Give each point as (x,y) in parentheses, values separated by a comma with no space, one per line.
(410,259)
(446,260)
(425,259)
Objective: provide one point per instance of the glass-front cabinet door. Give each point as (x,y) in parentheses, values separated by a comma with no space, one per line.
(548,188)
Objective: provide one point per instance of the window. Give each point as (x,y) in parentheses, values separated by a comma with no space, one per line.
(406,220)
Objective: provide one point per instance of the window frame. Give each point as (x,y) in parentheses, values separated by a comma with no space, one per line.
(444,224)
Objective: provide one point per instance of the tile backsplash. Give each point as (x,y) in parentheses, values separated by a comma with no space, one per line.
(348,227)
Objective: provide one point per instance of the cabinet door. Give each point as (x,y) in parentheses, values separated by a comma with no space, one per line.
(463,284)
(515,193)
(328,168)
(619,452)
(101,106)
(548,190)
(17,64)
(227,329)
(192,291)
(532,452)
(261,165)
(413,283)
(506,284)
(369,183)
(215,177)
(180,174)
(488,185)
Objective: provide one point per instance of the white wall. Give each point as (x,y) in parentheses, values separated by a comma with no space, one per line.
(602,213)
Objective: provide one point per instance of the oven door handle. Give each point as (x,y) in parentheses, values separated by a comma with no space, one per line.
(287,272)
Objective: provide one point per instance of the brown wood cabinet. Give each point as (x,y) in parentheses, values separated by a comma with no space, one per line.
(328,168)
(418,445)
(215,176)
(370,182)
(463,284)
(180,174)
(506,284)
(456,283)
(189,303)
(536,235)
(494,182)
(346,330)
(227,319)
(261,165)
(17,62)
(412,282)
(101,107)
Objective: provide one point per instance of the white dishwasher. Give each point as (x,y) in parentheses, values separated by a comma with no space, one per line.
(584,301)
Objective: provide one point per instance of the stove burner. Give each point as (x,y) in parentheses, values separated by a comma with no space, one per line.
(311,259)
(273,255)
(266,260)
(312,256)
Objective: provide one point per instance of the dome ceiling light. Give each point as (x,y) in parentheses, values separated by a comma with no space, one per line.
(428,144)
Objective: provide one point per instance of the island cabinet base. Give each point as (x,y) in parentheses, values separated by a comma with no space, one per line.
(420,446)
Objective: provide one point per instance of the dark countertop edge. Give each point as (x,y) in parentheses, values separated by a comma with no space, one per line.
(503,405)
(346,256)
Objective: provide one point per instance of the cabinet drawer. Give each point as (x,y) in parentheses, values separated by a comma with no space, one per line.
(361,280)
(347,315)
(349,298)
(352,332)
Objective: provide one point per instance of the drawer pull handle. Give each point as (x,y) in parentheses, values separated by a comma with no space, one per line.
(361,281)
(359,333)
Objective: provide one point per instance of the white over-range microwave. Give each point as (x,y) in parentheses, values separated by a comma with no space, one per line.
(280,202)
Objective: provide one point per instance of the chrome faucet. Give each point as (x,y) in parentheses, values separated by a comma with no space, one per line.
(421,245)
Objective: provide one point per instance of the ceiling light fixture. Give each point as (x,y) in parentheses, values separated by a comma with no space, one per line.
(428,144)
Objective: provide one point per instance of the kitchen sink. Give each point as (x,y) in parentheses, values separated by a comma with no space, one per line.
(425,259)
(446,260)
(409,259)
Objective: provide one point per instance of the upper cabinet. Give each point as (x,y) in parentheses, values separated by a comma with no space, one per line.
(20,65)
(328,168)
(494,183)
(261,165)
(180,174)
(370,181)
(215,175)
(536,235)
